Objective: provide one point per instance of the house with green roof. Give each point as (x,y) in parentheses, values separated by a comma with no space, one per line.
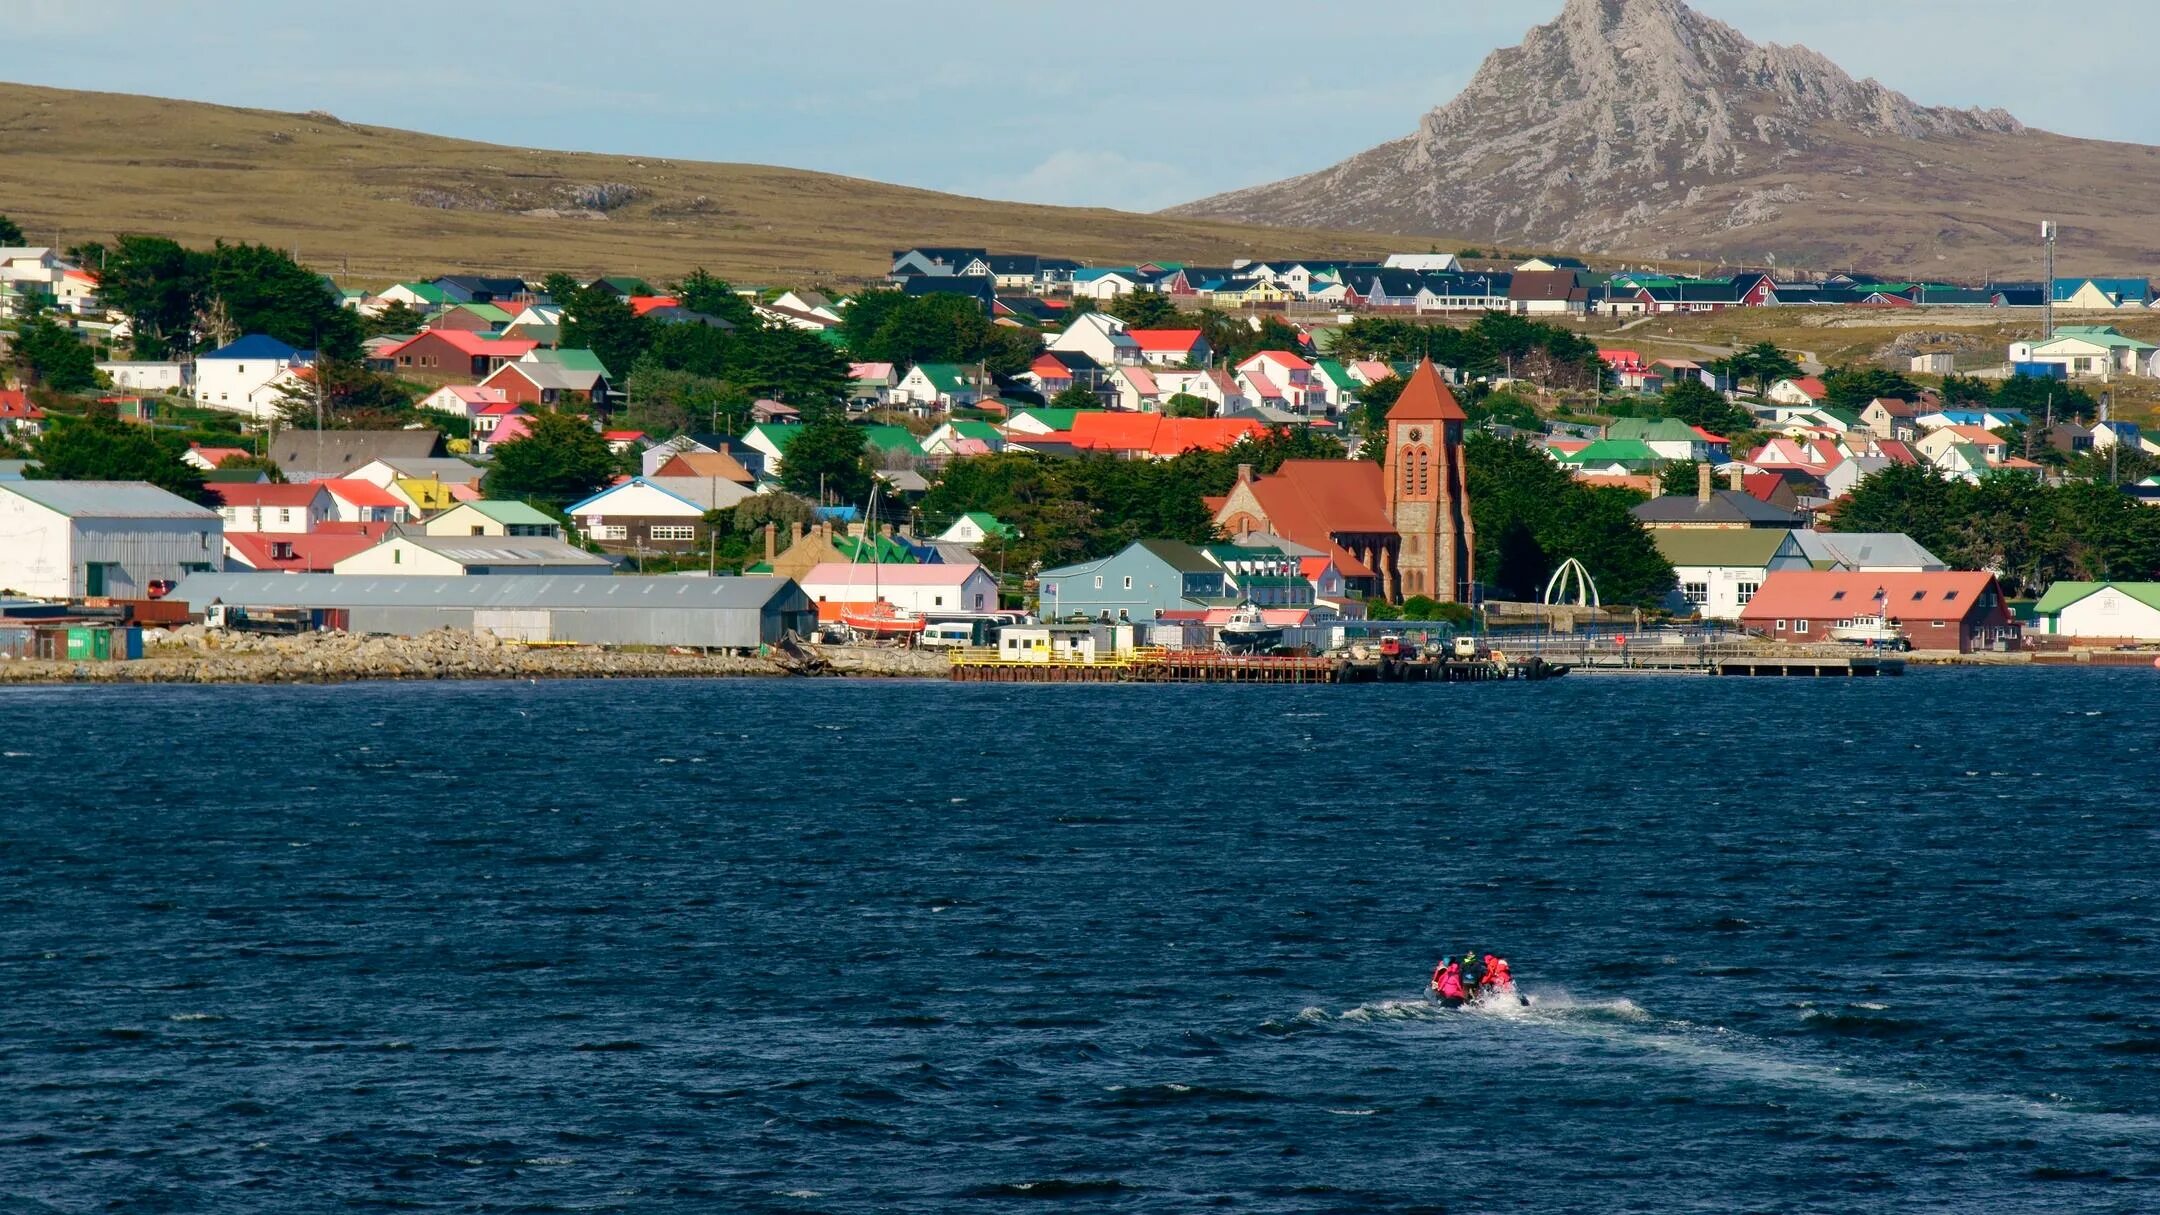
(1336,384)
(2100,611)
(1666,438)
(423,297)
(493,518)
(1043,420)
(890,441)
(2090,351)
(930,388)
(1610,457)
(1716,571)
(977,527)
(570,360)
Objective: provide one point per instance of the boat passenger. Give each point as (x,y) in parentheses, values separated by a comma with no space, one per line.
(1497,975)
(1473,971)
(1450,986)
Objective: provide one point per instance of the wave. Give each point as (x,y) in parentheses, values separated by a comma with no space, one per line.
(1052,1187)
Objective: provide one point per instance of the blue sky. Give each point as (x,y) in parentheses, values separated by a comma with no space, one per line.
(1132,103)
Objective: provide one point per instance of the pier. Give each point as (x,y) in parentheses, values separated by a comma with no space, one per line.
(1739,661)
(1149,665)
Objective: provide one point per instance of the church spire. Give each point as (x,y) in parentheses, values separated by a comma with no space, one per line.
(1426,398)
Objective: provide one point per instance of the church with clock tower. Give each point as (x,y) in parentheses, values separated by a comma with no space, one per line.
(1394,531)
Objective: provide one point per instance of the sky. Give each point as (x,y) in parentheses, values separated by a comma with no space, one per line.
(1136,104)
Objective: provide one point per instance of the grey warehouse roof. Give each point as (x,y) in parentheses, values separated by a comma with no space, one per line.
(108,500)
(494,591)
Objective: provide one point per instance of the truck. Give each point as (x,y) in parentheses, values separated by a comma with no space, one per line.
(284,621)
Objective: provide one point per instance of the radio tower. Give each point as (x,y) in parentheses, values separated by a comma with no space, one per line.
(2047,288)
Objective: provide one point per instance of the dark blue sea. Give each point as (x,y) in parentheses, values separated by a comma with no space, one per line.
(821,946)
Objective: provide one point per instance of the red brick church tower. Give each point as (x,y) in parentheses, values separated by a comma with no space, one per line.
(1426,493)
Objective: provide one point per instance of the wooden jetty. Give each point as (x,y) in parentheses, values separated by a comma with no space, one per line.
(1771,661)
(1212,666)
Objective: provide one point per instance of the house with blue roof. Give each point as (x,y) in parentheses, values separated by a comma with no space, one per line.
(250,376)
(2103,294)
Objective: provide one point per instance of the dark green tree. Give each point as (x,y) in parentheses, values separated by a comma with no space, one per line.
(1078,396)
(702,292)
(262,464)
(1680,478)
(788,364)
(1763,364)
(1007,351)
(827,461)
(1145,310)
(159,286)
(559,460)
(1697,404)
(595,319)
(398,319)
(54,357)
(352,398)
(1854,387)
(1515,489)
(1186,405)
(262,290)
(11,233)
(101,447)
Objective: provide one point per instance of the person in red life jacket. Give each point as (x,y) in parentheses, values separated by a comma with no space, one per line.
(1497,975)
(1449,985)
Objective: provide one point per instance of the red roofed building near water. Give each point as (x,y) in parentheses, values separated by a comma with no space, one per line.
(1942,611)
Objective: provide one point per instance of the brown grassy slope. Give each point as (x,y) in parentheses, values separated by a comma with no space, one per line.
(376,204)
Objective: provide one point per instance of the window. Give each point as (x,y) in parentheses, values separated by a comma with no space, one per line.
(1799,626)
(1917,596)
(1936,624)
(479,531)
(1780,626)
(397,556)
(614,531)
(1098,582)
(1697,593)
(284,514)
(1746,592)
(1838,595)
(937,601)
(1128,583)
(1949,596)
(671,531)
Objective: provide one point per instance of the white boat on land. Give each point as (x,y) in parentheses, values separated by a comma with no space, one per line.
(1248,629)
(1874,632)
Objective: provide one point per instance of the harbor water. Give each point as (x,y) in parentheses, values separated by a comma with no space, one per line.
(921,947)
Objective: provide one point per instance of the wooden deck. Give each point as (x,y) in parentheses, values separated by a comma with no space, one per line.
(1211,666)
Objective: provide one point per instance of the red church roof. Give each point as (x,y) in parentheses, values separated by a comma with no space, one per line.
(1426,398)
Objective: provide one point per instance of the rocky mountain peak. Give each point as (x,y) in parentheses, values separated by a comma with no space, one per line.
(1607,121)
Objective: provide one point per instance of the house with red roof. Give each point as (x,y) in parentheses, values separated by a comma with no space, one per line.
(18,415)
(1137,390)
(1806,390)
(1284,380)
(455,355)
(208,458)
(313,553)
(353,501)
(462,400)
(1944,611)
(1171,347)
(1154,436)
(265,507)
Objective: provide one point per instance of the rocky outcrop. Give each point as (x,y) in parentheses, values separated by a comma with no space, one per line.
(1641,126)
(198,655)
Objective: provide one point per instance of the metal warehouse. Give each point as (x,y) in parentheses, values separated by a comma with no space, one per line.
(730,613)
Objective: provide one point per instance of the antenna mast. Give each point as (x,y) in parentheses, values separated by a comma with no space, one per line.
(2047,295)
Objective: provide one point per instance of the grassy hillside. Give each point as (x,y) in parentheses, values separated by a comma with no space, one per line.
(376,204)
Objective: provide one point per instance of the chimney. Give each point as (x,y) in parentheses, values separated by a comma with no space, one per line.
(1244,474)
(1702,482)
(1738,477)
(885,530)
(855,530)
(794,534)
(772,541)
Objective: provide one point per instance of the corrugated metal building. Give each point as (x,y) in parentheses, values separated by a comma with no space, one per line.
(725,613)
(64,539)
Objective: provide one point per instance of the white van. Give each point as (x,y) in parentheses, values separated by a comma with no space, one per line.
(947,636)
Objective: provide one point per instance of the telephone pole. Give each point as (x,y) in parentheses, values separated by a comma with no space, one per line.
(2047,289)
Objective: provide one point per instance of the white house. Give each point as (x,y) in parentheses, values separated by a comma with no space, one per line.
(1806,390)
(1137,390)
(148,376)
(1718,570)
(1104,284)
(654,510)
(248,376)
(928,590)
(402,554)
(2110,611)
(974,528)
(289,510)
(463,400)
(1099,336)
(353,501)
(2088,351)
(69,539)
(1438,263)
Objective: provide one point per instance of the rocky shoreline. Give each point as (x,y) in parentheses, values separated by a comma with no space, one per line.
(197,655)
